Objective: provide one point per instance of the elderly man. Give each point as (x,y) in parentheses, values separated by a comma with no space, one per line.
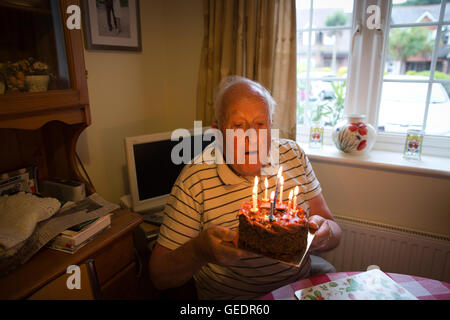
(200,223)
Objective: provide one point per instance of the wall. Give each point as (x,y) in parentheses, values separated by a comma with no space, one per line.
(141,93)
(154,91)
(413,201)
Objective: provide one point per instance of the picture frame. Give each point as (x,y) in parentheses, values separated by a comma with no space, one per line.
(112,25)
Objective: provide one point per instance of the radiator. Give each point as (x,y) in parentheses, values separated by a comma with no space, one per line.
(392,248)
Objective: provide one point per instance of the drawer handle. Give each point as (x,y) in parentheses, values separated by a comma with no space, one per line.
(138,258)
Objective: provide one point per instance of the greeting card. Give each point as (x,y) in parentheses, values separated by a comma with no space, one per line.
(370,285)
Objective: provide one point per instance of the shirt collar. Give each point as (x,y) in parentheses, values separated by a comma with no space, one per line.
(229,177)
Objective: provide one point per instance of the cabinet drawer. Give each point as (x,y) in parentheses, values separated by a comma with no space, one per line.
(58,290)
(114,258)
(122,286)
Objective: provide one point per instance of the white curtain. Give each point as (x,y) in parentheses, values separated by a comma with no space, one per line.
(255,39)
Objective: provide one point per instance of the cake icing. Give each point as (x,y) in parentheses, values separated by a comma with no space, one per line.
(284,237)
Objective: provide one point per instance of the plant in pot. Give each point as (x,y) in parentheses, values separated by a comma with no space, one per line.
(37,75)
(15,77)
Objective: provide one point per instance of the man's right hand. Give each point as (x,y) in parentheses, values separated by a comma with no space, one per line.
(215,245)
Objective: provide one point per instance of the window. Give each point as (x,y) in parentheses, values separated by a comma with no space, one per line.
(416,82)
(325,32)
(398,75)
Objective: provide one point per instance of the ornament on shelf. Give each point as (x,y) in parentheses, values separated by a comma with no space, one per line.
(353,135)
(413,144)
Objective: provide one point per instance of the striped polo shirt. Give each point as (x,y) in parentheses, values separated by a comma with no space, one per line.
(209,194)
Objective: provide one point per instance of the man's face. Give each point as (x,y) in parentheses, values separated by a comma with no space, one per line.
(248,112)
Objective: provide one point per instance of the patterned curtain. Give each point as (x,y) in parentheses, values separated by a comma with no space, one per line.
(255,39)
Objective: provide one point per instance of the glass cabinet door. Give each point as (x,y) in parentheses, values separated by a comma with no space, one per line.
(32,47)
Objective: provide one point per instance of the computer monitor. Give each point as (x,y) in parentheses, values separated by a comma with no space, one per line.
(151,171)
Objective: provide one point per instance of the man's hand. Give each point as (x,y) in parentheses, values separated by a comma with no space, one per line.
(323,232)
(217,245)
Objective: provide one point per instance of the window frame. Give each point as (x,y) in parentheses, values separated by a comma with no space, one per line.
(369,101)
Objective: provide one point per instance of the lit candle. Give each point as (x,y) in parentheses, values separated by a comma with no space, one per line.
(291,194)
(281,190)
(273,200)
(280,171)
(266,184)
(294,205)
(255,196)
(272,204)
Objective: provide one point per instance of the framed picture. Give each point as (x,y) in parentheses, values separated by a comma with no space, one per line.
(112,25)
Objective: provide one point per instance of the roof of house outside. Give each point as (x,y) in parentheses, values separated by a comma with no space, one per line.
(415,14)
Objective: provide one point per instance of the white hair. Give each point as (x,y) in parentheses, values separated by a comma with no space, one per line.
(231,81)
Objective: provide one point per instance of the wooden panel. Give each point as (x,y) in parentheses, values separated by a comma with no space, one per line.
(75,50)
(122,286)
(56,147)
(10,151)
(111,261)
(13,104)
(57,289)
(37,120)
(22,148)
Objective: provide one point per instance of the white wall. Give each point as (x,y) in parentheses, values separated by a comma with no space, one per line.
(412,201)
(141,93)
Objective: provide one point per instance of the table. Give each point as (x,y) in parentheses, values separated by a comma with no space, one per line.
(112,252)
(422,288)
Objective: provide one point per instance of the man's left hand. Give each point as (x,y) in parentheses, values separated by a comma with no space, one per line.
(323,232)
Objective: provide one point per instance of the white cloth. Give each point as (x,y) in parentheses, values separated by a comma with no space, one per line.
(19,215)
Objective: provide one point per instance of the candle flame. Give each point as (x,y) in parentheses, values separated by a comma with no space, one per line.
(280,171)
(266,183)
(272,195)
(256,180)
(291,195)
(296,191)
(281,180)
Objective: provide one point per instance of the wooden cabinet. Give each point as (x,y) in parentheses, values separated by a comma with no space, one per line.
(42,128)
(113,254)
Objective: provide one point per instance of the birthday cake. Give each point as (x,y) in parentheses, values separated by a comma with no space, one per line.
(282,236)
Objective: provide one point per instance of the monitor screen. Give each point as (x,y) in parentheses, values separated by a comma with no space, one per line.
(155,171)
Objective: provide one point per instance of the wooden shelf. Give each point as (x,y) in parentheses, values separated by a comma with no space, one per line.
(42,129)
(25,8)
(36,120)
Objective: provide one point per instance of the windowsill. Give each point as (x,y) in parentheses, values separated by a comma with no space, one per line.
(384,160)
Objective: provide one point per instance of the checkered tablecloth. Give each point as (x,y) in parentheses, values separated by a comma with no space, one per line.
(422,288)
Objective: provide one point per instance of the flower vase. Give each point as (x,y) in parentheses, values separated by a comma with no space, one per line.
(354,135)
(37,83)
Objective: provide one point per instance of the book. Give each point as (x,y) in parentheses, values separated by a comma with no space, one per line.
(81,226)
(69,248)
(369,285)
(76,238)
